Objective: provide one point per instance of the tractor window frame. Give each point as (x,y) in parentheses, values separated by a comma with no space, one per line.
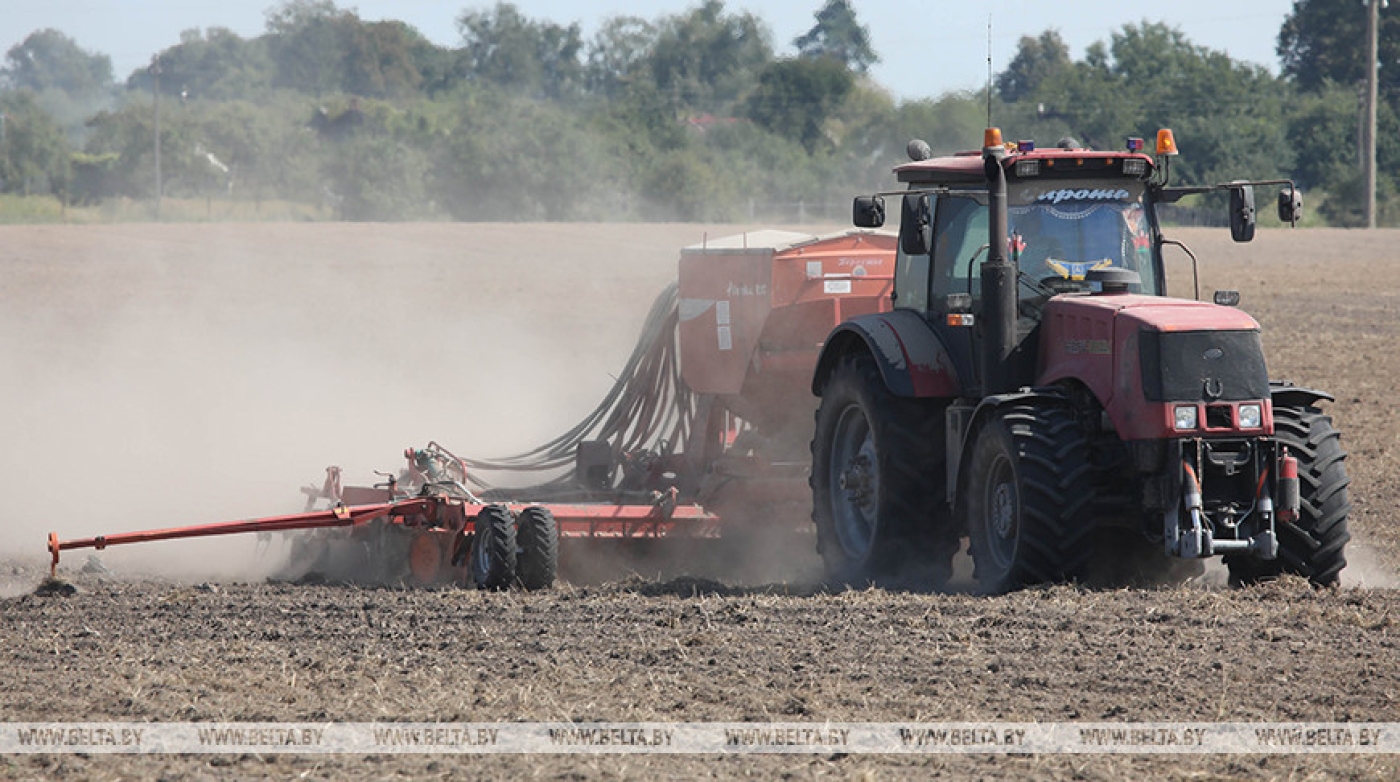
(912,273)
(959,241)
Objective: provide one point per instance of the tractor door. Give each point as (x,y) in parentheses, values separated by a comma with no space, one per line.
(959,246)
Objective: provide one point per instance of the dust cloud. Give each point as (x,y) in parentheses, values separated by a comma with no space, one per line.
(1366,569)
(166,375)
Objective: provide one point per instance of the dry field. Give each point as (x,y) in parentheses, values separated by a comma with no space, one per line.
(164,375)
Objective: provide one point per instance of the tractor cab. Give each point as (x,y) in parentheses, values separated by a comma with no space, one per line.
(1070,211)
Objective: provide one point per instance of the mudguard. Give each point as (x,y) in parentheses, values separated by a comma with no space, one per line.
(966,420)
(1288,395)
(913,361)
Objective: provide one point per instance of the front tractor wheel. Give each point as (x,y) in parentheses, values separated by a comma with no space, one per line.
(1029,486)
(878,497)
(1313,546)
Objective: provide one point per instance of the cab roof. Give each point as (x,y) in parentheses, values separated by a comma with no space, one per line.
(1054,163)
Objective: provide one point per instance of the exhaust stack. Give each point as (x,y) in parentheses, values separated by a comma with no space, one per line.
(998,278)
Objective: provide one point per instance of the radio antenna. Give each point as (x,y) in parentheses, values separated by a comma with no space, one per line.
(989,70)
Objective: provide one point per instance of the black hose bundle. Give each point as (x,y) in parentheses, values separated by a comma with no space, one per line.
(649,410)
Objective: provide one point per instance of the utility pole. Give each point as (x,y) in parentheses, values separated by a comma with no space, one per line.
(1373,14)
(156,98)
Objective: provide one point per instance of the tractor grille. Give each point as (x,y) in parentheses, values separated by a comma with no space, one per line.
(1203,366)
(1220,417)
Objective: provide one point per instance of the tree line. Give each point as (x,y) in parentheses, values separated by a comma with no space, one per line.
(689,116)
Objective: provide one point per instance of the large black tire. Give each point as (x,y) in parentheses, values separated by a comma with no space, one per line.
(537,563)
(493,551)
(1313,546)
(1028,490)
(878,482)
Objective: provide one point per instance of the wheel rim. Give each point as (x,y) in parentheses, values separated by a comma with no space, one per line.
(854,480)
(1002,510)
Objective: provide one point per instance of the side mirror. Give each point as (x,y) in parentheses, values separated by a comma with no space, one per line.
(1290,205)
(1242,217)
(868,212)
(916,224)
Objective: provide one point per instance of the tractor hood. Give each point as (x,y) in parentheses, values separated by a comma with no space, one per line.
(1155,313)
(1140,355)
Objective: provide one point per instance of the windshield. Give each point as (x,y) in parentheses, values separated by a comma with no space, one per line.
(1059,233)
(1060,230)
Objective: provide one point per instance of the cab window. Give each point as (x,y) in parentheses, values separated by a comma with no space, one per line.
(959,244)
(911,278)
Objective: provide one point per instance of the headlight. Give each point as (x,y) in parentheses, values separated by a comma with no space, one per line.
(1251,416)
(1186,417)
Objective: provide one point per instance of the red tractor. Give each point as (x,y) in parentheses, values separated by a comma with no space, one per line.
(1034,391)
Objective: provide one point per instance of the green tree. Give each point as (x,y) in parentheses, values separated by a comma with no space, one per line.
(91,178)
(240,149)
(687,188)
(439,67)
(1228,116)
(1324,41)
(1322,129)
(796,98)
(706,59)
(1322,46)
(189,167)
(318,48)
(877,132)
(505,48)
(374,177)
(50,60)
(216,64)
(1036,60)
(308,41)
(617,55)
(278,158)
(511,157)
(382,60)
(124,139)
(757,174)
(840,36)
(34,155)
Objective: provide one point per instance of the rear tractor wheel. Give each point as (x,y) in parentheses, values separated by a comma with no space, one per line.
(878,497)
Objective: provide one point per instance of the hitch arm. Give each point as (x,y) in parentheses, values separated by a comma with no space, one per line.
(339,516)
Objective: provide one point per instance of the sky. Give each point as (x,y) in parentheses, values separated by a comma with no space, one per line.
(927,47)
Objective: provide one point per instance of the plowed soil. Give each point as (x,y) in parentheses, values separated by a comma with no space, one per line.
(163,375)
